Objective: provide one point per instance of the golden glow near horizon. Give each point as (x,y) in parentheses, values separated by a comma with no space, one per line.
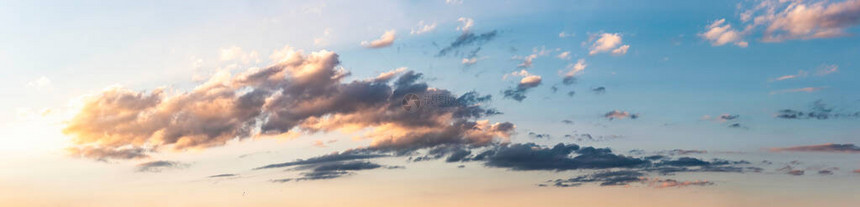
(431,103)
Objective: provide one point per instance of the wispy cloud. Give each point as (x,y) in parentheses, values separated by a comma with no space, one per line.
(828,147)
(385,40)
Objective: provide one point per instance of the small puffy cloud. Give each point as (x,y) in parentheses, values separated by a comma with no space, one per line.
(324,39)
(466,24)
(569,77)
(564,35)
(564,55)
(828,147)
(385,40)
(527,82)
(608,42)
(237,54)
(454,2)
(422,28)
(40,83)
(720,33)
(616,114)
(469,61)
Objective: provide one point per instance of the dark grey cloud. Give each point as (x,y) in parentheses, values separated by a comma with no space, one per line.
(818,110)
(334,157)
(560,157)
(519,93)
(466,39)
(223,175)
(599,90)
(158,166)
(605,178)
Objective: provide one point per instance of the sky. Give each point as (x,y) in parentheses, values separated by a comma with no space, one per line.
(430,103)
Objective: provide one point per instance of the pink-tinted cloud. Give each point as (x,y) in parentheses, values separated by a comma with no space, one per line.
(828,147)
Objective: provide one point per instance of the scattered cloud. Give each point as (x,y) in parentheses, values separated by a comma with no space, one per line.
(829,147)
(616,114)
(223,175)
(422,28)
(324,39)
(720,33)
(527,82)
(796,90)
(40,83)
(385,40)
(799,74)
(569,77)
(158,166)
(236,53)
(565,35)
(818,110)
(608,42)
(466,39)
(454,2)
(466,24)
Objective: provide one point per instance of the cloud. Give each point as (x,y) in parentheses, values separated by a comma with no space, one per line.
(605,178)
(569,77)
(608,42)
(466,24)
(530,156)
(40,83)
(799,74)
(466,39)
(826,70)
(422,28)
(818,110)
(829,147)
(158,166)
(104,154)
(599,90)
(564,55)
(786,20)
(385,40)
(565,35)
(300,94)
(720,33)
(236,53)
(856,171)
(796,90)
(334,157)
(616,114)
(223,175)
(454,2)
(469,61)
(822,70)
(323,41)
(527,82)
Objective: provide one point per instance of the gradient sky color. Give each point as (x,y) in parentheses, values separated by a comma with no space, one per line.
(702,79)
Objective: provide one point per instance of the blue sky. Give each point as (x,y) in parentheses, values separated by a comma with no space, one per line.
(676,66)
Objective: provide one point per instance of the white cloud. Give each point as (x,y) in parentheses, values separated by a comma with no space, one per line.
(236,53)
(826,70)
(422,28)
(324,40)
(608,42)
(573,69)
(466,24)
(530,81)
(621,50)
(782,20)
(454,2)
(470,61)
(565,35)
(40,84)
(720,33)
(384,41)
(564,55)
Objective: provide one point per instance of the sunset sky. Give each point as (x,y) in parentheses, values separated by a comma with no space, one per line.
(520,103)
